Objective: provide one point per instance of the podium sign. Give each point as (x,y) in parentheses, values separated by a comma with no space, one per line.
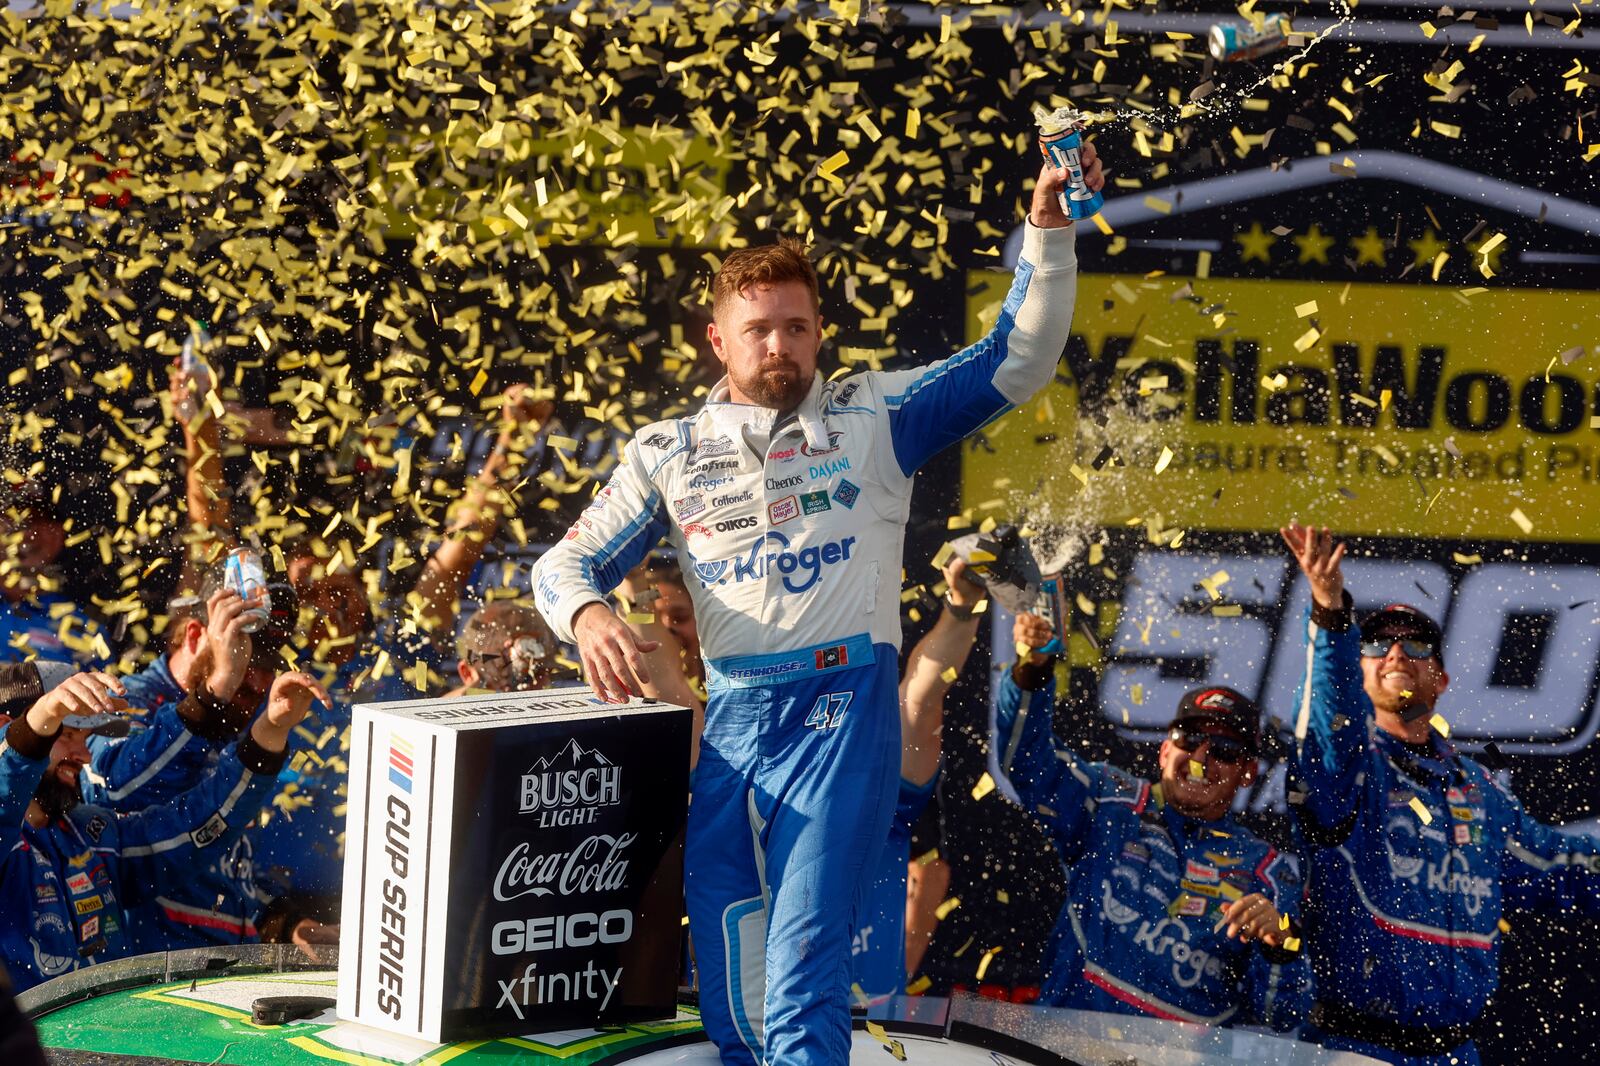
(513,863)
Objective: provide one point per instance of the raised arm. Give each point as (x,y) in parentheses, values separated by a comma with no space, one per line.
(1333,714)
(931,407)
(627,518)
(477,515)
(932,668)
(205,492)
(1544,869)
(1055,786)
(25,749)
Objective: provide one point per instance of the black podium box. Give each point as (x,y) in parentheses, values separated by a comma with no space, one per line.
(513,863)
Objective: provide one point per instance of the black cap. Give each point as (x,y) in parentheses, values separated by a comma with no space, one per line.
(1226,707)
(1403,620)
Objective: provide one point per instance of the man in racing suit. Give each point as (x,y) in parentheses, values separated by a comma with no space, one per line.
(1173,908)
(72,868)
(1415,850)
(786,499)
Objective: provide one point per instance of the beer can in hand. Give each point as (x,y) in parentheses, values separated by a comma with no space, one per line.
(1235,41)
(196,375)
(244,574)
(1061,142)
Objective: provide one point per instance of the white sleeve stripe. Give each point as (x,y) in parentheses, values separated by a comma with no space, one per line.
(1302,718)
(158,846)
(171,751)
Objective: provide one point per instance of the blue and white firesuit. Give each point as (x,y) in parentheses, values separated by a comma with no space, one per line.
(878,952)
(68,888)
(789,530)
(1146,886)
(1403,913)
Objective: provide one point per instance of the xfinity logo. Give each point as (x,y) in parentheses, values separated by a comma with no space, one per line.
(800,570)
(570,787)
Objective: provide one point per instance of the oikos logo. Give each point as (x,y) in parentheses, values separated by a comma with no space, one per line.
(570,787)
(800,570)
(728,525)
(596,865)
(1189,965)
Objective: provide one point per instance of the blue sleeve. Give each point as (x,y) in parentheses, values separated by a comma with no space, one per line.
(1332,727)
(1279,987)
(1544,869)
(910,803)
(933,406)
(19,780)
(1053,783)
(160,843)
(152,764)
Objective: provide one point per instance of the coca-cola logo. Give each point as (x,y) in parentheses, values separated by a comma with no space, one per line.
(596,865)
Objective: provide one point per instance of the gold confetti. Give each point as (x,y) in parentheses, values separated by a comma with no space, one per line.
(942,911)
(984,786)
(1421,811)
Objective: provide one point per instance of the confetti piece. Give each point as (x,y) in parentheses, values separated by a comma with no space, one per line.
(1197,770)
(1522,521)
(983,963)
(1164,460)
(1421,811)
(919,986)
(942,911)
(1466,560)
(1306,309)
(984,786)
(949,675)
(1440,726)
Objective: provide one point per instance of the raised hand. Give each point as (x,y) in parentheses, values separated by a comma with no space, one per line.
(1032,631)
(1253,917)
(86,694)
(1047,212)
(964,592)
(231,646)
(287,706)
(1319,556)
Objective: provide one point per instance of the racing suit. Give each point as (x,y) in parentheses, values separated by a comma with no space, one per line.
(878,953)
(1146,886)
(1403,923)
(789,530)
(65,886)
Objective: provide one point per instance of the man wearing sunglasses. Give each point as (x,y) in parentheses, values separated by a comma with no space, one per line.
(1173,908)
(1415,851)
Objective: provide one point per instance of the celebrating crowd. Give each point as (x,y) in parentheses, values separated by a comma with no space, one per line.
(199,801)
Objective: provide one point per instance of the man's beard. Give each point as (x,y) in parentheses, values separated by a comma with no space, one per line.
(199,669)
(775,384)
(55,797)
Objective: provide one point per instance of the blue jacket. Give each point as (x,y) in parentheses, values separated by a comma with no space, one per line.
(29,629)
(158,759)
(69,887)
(878,951)
(1404,916)
(1145,887)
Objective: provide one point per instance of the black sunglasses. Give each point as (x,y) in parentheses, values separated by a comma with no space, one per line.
(1413,649)
(1222,748)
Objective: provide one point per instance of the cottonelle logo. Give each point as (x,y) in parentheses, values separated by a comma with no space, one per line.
(571,787)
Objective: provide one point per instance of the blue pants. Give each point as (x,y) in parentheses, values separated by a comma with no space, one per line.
(792,800)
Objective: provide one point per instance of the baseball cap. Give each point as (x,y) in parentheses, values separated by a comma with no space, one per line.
(23,684)
(1225,707)
(1403,620)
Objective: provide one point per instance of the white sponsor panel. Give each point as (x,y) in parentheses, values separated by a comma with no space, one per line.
(512,860)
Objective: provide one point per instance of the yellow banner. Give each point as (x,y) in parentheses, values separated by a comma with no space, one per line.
(1233,405)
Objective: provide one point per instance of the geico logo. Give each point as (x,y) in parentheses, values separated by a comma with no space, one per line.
(561,931)
(1188,964)
(800,569)
(1421,388)
(1535,698)
(728,526)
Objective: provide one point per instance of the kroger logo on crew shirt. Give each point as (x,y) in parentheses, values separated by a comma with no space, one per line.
(800,569)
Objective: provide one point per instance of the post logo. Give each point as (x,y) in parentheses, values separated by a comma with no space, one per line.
(400,764)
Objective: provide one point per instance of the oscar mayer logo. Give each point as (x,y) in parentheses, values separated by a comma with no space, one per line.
(397,849)
(570,787)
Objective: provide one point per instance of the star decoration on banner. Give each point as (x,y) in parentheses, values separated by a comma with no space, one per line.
(1314,245)
(1255,243)
(1369,248)
(1427,248)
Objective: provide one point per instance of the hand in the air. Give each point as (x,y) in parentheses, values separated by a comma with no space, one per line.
(1319,556)
(1047,212)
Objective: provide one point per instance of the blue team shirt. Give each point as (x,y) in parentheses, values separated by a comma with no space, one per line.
(30,630)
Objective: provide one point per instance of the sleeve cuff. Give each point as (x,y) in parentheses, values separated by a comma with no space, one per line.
(1050,249)
(25,742)
(20,685)
(1031,677)
(1337,620)
(209,718)
(259,760)
(1281,956)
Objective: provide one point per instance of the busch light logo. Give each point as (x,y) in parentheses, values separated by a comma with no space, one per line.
(570,787)
(799,569)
